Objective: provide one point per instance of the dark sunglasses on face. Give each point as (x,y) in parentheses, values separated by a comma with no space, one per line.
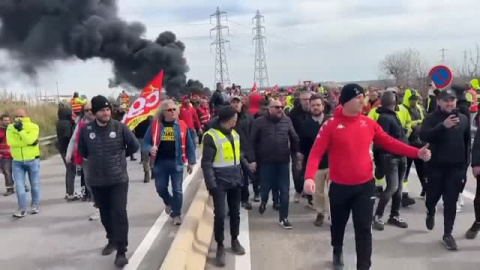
(278,107)
(171,110)
(87,110)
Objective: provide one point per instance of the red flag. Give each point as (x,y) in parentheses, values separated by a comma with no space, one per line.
(146,104)
(254,88)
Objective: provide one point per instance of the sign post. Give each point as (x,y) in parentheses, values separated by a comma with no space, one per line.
(441,76)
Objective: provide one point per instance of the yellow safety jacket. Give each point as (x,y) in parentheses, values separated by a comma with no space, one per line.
(77,104)
(402,114)
(226,156)
(406,105)
(24,144)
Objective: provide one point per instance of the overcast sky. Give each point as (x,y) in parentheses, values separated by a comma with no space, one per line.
(319,40)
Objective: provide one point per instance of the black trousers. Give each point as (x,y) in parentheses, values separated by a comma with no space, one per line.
(112,203)
(421,168)
(447,182)
(476,202)
(246,182)
(233,196)
(379,161)
(358,199)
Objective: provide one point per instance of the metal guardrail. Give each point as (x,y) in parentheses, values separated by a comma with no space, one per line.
(47,140)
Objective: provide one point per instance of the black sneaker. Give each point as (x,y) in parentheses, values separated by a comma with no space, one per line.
(256,197)
(109,249)
(262,208)
(430,222)
(237,248)
(9,192)
(276,207)
(423,193)
(378,223)
(247,205)
(121,260)
(319,220)
(285,224)
(473,231)
(449,242)
(407,201)
(338,260)
(220,256)
(398,221)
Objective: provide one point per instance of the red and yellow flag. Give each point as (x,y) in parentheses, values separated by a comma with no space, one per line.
(146,104)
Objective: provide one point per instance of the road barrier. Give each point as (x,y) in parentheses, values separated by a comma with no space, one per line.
(49,140)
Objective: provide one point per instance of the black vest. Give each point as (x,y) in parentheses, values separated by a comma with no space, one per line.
(106,148)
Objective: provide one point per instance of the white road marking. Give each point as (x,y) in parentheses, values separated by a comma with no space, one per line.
(152,234)
(244,262)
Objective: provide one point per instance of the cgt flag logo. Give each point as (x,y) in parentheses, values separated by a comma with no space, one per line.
(146,104)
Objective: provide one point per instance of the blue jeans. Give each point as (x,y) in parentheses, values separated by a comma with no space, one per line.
(162,173)
(276,176)
(33,169)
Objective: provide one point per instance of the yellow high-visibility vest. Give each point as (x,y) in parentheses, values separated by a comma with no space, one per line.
(226,156)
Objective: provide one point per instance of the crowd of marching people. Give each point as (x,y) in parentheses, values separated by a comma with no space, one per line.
(316,132)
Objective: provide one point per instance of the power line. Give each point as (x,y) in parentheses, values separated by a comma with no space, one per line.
(260,65)
(221,66)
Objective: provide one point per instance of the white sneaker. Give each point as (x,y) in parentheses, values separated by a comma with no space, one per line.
(461,200)
(297,197)
(459,207)
(96,215)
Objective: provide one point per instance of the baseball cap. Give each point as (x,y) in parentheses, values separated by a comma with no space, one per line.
(235,98)
(447,94)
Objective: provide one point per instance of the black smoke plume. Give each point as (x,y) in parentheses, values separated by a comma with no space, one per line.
(37,33)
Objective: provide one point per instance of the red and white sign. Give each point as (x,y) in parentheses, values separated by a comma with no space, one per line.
(146,104)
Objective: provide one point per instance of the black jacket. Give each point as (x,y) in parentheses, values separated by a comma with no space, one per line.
(273,140)
(449,146)
(463,106)
(106,149)
(217,100)
(141,129)
(307,134)
(65,127)
(476,150)
(298,116)
(433,103)
(223,178)
(390,123)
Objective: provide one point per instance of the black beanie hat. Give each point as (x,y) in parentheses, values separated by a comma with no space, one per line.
(99,102)
(349,92)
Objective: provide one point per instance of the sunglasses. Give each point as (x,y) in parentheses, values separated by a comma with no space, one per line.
(278,107)
(171,110)
(87,110)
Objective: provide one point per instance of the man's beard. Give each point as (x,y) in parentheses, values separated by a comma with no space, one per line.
(102,120)
(317,114)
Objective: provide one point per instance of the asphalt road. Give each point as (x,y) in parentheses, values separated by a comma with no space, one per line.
(307,247)
(61,236)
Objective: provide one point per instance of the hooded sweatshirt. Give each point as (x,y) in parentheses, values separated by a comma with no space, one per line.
(65,127)
(347,140)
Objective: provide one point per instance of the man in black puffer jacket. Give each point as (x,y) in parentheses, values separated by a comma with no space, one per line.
(273,139)
(106,143)
(395,166)
(65,126)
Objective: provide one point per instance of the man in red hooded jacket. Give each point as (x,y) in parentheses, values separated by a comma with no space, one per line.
(347,138)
